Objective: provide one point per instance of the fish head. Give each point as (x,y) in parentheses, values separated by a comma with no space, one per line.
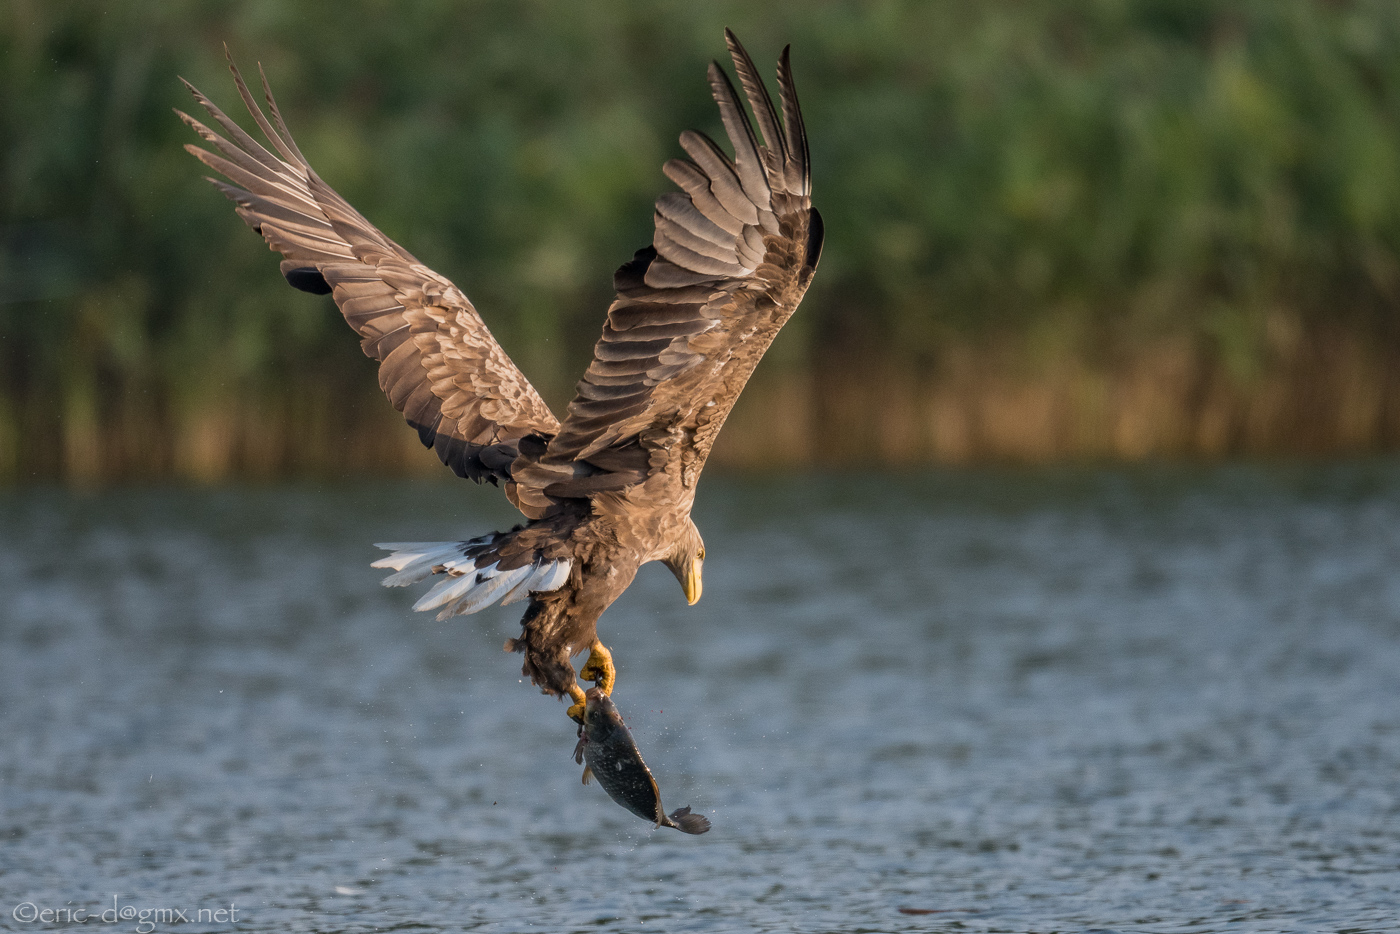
(600,715)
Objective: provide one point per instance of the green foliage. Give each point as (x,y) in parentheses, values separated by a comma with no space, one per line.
(1105,167)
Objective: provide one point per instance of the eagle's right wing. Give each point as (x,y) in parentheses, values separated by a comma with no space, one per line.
(438,363)
(731,257)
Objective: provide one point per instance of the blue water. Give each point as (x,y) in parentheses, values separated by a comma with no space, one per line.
(1132,700)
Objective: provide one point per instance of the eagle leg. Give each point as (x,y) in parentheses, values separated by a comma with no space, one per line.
(599,667)
(576,711)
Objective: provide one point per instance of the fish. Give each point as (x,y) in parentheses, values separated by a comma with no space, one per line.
(607,746)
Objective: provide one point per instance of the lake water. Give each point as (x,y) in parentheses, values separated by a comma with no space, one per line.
(1131,700)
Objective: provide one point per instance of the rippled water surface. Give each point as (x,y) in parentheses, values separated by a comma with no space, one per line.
(1151,700)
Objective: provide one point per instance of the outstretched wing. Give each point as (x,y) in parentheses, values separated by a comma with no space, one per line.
(438,363)
(732,255)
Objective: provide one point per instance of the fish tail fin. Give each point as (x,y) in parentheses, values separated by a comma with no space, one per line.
(686,822)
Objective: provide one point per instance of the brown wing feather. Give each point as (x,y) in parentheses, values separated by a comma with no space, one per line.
(439,365)
(732,255)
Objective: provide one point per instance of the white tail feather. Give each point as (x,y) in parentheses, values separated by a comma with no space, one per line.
(484,594)
(468,588)
(558,574)
(447,590)
(416,560)
(547,576)
(521,590)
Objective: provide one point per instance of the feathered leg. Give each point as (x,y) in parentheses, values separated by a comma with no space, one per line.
(545,647)
(552,625)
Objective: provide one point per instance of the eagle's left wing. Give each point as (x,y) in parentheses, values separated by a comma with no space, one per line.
(438,364)
(732,255)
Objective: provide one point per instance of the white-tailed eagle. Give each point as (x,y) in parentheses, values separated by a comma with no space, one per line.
(610,487)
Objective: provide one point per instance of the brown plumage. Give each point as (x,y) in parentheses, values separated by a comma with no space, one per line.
(611,486)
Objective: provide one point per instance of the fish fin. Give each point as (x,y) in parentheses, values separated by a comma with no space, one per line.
(578,750)
(587,774)
(687,822)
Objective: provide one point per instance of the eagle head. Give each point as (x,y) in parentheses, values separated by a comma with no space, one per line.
(687,559)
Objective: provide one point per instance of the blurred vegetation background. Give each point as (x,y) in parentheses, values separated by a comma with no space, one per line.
(1055,230)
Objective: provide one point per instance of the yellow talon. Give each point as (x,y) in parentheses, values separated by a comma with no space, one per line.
(599,667)
(576,711)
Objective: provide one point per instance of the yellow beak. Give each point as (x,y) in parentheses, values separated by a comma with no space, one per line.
(693,584)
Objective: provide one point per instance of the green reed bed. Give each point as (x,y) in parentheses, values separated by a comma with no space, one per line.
(1121,228)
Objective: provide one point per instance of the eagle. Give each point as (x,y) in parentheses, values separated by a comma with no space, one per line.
(610,486)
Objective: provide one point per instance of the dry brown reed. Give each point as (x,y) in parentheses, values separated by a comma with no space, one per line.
(1327,392)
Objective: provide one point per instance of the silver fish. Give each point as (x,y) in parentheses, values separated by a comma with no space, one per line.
(612,756)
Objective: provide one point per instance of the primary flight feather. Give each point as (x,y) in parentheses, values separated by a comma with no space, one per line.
(610,487)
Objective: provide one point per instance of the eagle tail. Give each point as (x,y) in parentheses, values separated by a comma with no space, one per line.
(473,578)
